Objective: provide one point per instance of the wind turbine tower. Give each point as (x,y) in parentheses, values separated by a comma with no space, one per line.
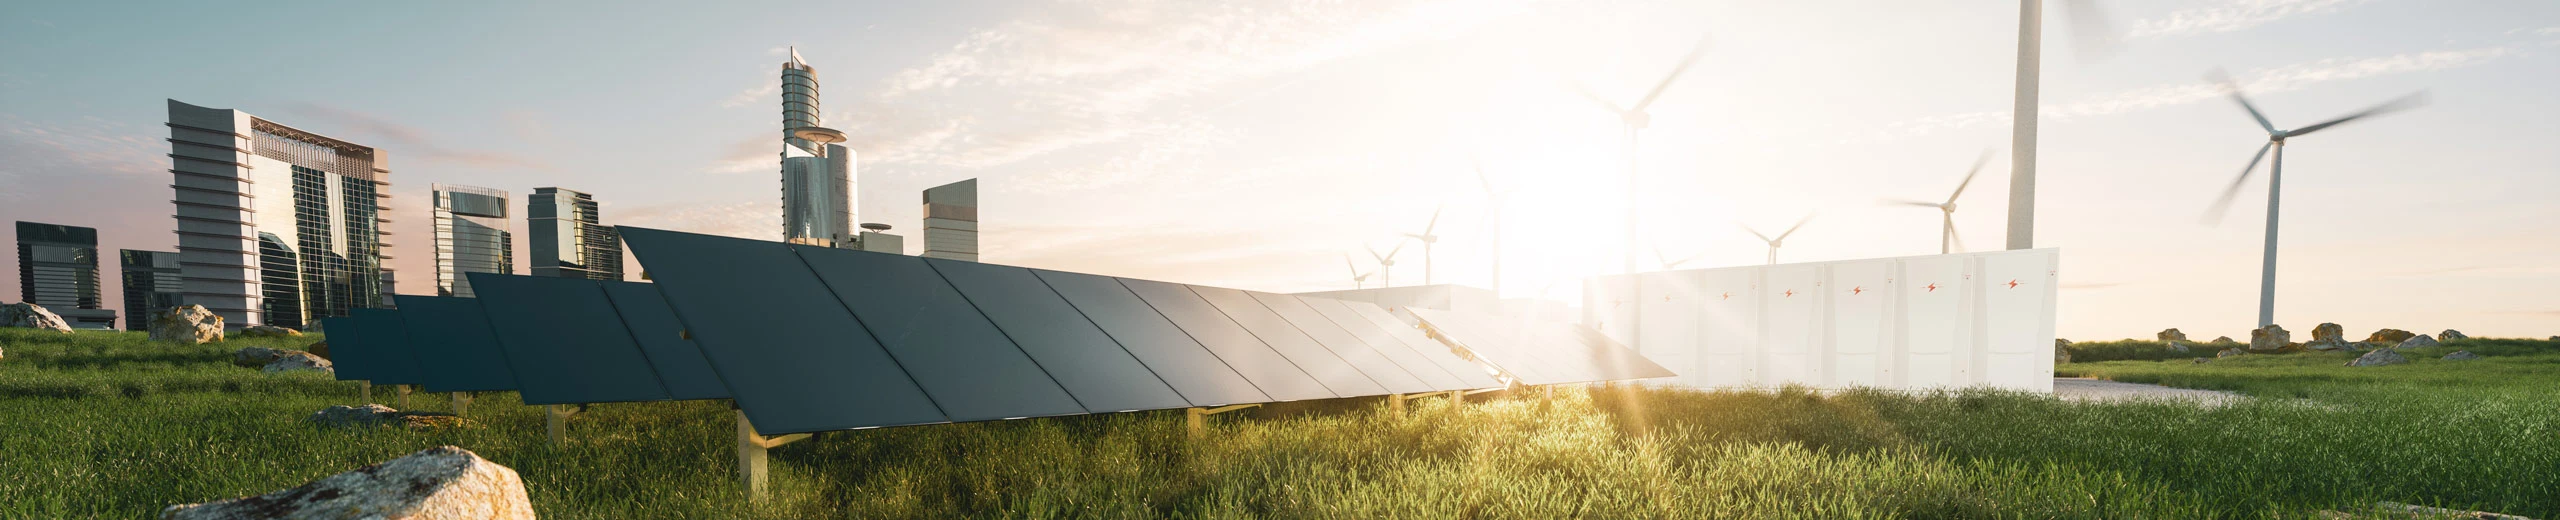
(2275,178)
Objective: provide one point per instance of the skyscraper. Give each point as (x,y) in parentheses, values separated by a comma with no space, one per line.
(951,221)
(567,240)
(151,284)
(471,236)
(276,225)
(58,269)
(817,173)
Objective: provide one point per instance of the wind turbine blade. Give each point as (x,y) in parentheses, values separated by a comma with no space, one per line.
(1391,253)
(1373,253)
(2395,105)
(1953,236)
(1685,62)
(1799,224)
(2093,33)
(1577,88)
(1909,202)
(1658,257)
(1481,178)
(1968,176)
(2223,204)
(1435,221)
(2218,77)
(1756,233)
(1347,264)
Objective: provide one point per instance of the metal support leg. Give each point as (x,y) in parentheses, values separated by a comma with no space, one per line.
(751,456)
(404,396)
(556,419)
(1198,417)
(364,390)
(461,403)
(1395,404)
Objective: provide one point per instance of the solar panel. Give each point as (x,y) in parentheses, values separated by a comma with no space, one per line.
(1615,360)
(1386,373)
(386,340)
(1469,372)
(680,365)
(1096,370)
(1431,374)
(1190,368)
(1271,372)
(454,345)
(345,349)
(1336,374)
(793,357)
(1498,346)
(564,342)
(967,365)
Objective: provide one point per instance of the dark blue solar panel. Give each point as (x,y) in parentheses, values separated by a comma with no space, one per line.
(680,365)
(1092,367)
(564,342)
(1343,345)
(1197,374)
(386,341)
(1615,360)
(1336,374)
(960,358)
(452,341)
(1469,372)
(345,353)
(793,357)
(1271,372)
(1430,374)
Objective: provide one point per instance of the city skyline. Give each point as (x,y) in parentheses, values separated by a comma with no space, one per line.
(1141,166)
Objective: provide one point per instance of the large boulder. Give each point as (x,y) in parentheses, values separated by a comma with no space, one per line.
(2061,354)
(2451,335)
(186,324)
(318,348)
(2461,355)
(2270,338)
(2329,332)
(2229,352)
(269,331)
(2418,341)
(299,361)
(32,316)
(2388,337)
(2172,335)
(444,482)
(2224,339)
(2178,347)
(2379,358)
(255,357)
(343,416)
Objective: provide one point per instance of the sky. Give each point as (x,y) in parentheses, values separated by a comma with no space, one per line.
(1257,144)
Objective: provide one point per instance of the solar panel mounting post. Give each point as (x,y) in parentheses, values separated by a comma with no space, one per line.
(364,390)
(404,395)
(1198,417)
(461,403)
(555,418)
(751,456)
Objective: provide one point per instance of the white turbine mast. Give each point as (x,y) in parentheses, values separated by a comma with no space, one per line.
(1387,264)
(1636,119)
(1948,240)
(2096,38)
(1428,239)
(2275,177)
(1781,241)
(1493,219)
(1359,280)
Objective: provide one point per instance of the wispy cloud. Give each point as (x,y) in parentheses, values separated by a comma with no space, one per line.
(2232,15)
(401,140)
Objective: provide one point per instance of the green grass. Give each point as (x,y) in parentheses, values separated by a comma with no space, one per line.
(109,425)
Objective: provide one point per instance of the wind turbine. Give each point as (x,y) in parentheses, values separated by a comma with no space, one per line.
(1947,235)
(1636,119)
(1493,219)
(1387,264)
(1359,280)
(2096,38)
(1775,243)
(1669,264)
(1427,239)
(2275,178)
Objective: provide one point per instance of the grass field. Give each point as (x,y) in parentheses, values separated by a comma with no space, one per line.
(100,424)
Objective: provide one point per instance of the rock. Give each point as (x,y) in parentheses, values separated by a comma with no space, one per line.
(269,331)
(444,482)
(2224,339)
(2270,338)
(187,324)
(314,326)
(2360,346)
(2418,341)
(2388,337)
(2203,360)
(2329,332)
(32,316)
(255,357)
(2325,346)
(2379,358)
(2451,335)
(2555,338)
(2172,335)
(343,416)
(2461,355)
(2401,510)
(2177,347)
(2230,352)
(318,348)
(2061,355)
(299,361)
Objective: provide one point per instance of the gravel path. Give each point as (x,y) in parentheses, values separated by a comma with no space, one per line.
(2083,389)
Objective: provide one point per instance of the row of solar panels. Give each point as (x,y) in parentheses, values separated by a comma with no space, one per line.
(815,339)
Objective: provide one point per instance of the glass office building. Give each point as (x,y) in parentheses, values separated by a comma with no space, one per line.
(471,236)
(817,174)
(951,221)
(58,269)
(568,239)
(276,225)
(152,284)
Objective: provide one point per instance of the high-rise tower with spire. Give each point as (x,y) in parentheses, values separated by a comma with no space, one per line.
(817,173)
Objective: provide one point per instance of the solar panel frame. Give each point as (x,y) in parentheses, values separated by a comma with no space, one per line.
(1470,372)
(969,367)
(682,368)
(1273,373)
(386,333)
(1431,374)
(792,356)
(466,356)
(564,342)
(1088,363)
(1193,371)
(1388,374)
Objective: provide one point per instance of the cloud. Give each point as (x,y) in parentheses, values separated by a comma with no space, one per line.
(2286,78)
(402,141)
(753,154)
(2231,15)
